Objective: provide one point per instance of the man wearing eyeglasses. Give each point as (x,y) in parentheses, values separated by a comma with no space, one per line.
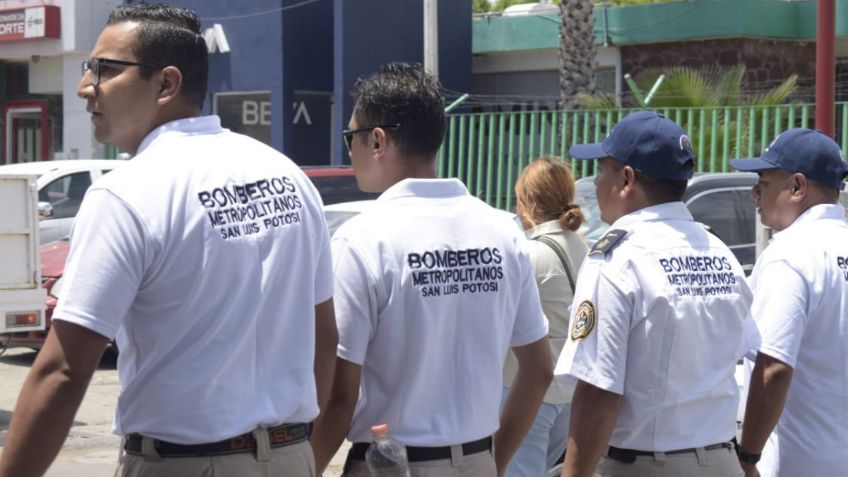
(433,286)
(207,259)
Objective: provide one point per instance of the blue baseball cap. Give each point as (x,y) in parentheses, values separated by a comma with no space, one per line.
(646,141)
(808,151)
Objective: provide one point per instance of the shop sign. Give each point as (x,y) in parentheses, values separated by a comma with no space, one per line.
(30,23)
(245,112)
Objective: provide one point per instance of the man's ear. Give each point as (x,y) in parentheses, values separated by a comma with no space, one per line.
(799,185)
(170,83)
(628,175)
(378,141)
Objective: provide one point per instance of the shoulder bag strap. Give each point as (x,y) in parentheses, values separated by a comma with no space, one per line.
(557,248)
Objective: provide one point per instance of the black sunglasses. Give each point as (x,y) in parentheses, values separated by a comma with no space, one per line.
(93,65)
(347,134)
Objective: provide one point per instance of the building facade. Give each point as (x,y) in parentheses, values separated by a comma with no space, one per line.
(279,70)
(517,56)
(42,44)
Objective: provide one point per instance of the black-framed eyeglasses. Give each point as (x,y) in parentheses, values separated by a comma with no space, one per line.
(347,134)
(94,65)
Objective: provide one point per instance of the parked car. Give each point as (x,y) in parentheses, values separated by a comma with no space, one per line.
(722,201)
(61,187)
(336,184)
(337,214)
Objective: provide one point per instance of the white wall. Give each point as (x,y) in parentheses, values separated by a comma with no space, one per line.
(541,60)
(77,132)
(45,75)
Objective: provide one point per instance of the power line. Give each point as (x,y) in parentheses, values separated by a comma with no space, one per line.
(264,12)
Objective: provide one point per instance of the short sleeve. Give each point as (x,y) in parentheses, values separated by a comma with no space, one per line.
(596,351)
(780,310)
(530,323)
(355,301)
(324,270)
(105,266)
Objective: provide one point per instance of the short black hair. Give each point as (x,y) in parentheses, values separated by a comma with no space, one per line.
(404,94)
(660,190)
(169,36)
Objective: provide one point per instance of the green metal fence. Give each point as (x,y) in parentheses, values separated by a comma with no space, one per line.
(487,151)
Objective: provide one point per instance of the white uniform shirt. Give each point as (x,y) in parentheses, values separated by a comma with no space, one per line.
(206,255)
(555,294)
(662,319)
(800,285)
(432,287)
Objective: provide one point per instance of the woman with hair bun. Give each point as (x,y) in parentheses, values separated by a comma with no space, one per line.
(545,204)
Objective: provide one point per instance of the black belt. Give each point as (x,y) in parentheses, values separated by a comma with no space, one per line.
(280,436)
(420,454)
(628,456)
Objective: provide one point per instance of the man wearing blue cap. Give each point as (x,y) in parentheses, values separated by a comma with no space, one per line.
(661,314)
(800,285)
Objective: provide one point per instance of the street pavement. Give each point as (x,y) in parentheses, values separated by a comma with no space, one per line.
(91,449)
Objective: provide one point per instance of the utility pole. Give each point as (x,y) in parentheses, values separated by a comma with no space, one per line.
(825,65)
(431,37)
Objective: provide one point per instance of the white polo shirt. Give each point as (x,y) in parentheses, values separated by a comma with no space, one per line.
(205,255)
(662,318)
(800,285)
(432,287)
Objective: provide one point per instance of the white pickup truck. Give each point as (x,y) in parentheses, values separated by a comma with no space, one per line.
(21,296)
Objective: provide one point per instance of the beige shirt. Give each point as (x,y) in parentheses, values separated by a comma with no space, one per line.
(555,293)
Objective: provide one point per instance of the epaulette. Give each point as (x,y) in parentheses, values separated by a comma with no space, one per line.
(609,241)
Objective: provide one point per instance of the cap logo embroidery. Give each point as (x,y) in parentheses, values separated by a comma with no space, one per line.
(584,321)
(685,143)
(772,143)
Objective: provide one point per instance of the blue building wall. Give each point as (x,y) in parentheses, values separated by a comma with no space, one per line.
(308,55)
(308,73)
(369,33)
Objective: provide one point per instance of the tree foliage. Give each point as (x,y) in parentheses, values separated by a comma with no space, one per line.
(718,89)
(709,87)
(484,6)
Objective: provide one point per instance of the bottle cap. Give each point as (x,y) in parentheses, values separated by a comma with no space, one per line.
(378,430)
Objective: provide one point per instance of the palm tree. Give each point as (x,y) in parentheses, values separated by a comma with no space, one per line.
(721,90)
(576,51)
(727,120)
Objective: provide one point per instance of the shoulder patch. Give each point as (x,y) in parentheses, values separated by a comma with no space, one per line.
(608,242)
(584,321)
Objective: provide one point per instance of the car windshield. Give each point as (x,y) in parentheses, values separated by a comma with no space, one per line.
(336,189)
(335,218)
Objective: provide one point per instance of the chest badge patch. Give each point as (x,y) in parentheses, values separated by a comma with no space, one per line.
(584,321)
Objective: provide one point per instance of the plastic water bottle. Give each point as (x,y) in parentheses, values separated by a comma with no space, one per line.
(386,457)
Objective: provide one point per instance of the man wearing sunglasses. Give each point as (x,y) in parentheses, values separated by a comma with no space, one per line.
(432,287)
(207,259)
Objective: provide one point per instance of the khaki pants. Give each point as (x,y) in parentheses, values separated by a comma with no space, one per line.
(481,464)
(295,460)
(702,463)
